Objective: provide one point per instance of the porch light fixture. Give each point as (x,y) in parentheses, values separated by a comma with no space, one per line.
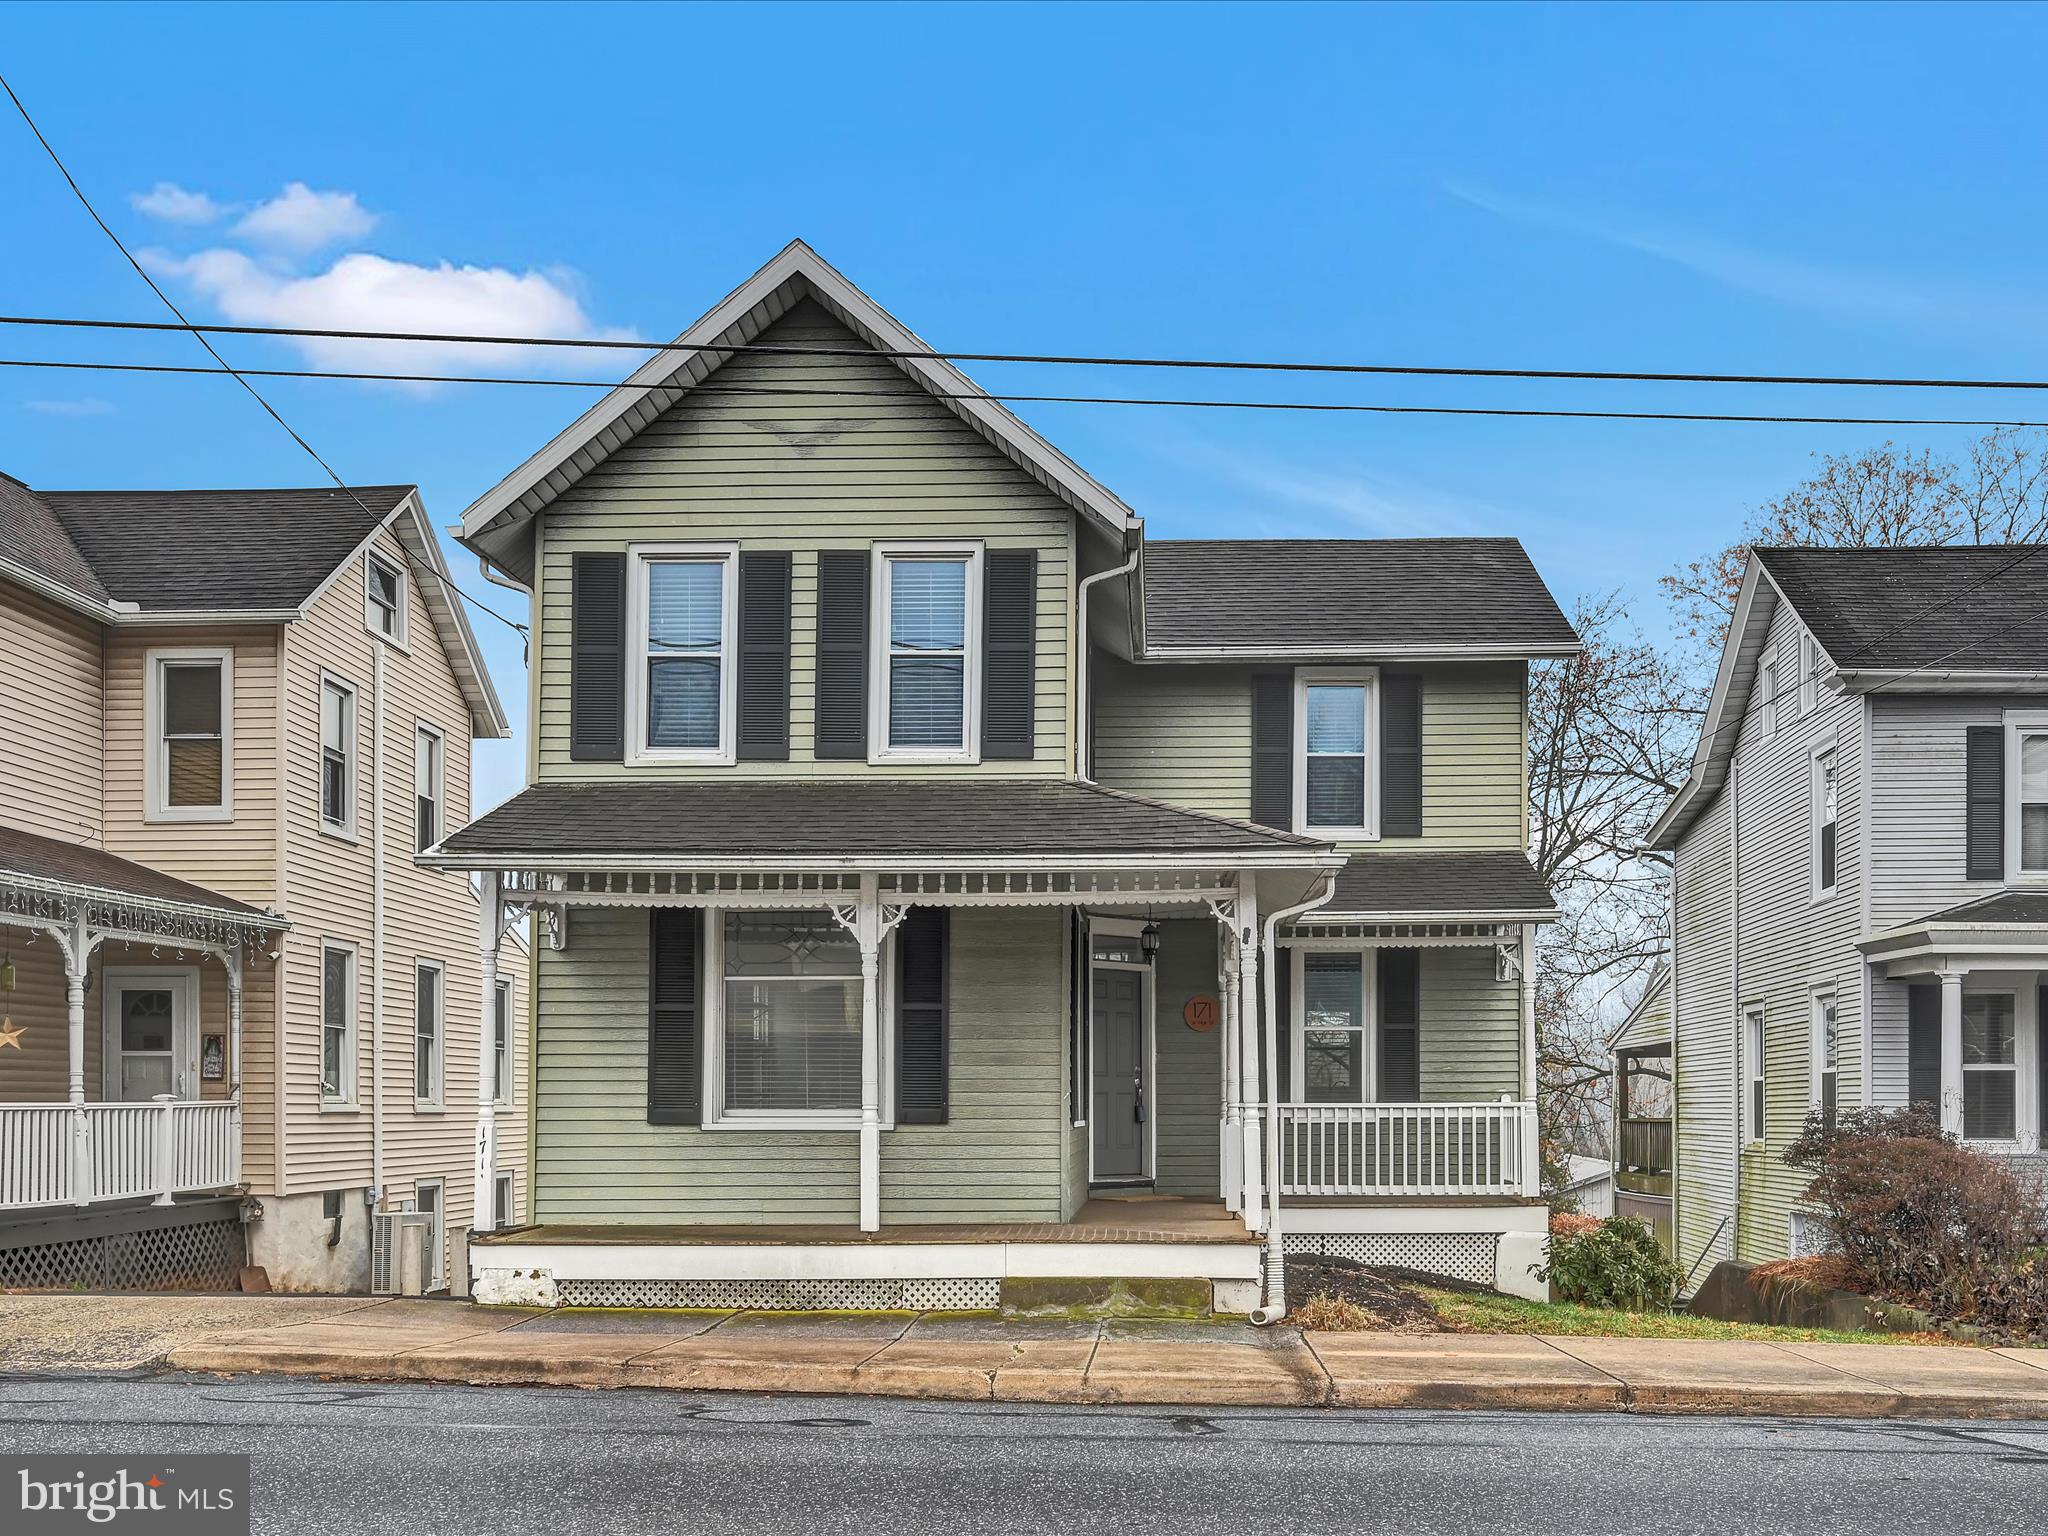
(1148,941)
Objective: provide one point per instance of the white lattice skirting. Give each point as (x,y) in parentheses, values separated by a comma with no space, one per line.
(973,1295)
(1468,1256)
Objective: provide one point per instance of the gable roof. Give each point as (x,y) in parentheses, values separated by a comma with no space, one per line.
(34,541)
(1852,600)
(1391,597)
(495,525)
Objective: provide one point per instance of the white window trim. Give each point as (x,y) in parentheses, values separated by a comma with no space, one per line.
(1771,665)
(879,750)
(2019,723)
(399,639)
(711,995)
(2026,1025)
(423,728)
(436,1104)
(1815,800)
(1754,1055)
(1819,999)
(346,1099)
(346,829)
(508,1179)
(1809,673)
(638,558)
(1369,679)
(504,1081)
(438,1278)
(1297,1024)
(156,769)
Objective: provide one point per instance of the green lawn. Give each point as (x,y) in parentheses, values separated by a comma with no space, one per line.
(1474,1313)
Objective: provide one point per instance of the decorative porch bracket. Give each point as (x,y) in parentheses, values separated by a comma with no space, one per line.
(870,922)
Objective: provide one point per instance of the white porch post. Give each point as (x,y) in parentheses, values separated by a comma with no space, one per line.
(1952,1052)
(232,961)
(490,928)
(76,957)
(868,931)
(1233,1053)
(1251,1026)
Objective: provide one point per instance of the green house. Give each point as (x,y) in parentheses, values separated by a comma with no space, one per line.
(941,887)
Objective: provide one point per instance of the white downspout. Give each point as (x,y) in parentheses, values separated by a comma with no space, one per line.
(377,925)
(1276,1256)
(1083,727)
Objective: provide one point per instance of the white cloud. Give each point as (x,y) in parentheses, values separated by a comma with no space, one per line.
(173,204)
(89,406)
(300,219)
(361,291)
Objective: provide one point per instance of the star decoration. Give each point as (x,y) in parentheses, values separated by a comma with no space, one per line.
(11,1033)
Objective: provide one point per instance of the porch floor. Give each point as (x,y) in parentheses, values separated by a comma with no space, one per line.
(1104,1219)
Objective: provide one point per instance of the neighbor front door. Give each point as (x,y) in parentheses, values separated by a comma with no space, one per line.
(1119,1071)
(148,1044)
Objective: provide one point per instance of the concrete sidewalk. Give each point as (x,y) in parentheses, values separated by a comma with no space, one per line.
(970,1358)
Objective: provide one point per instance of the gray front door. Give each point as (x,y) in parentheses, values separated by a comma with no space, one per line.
(1119,1097)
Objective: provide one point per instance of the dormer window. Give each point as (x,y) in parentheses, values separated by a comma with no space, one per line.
(384,599)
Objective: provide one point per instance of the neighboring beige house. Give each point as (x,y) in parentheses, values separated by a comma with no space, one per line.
(239,1015)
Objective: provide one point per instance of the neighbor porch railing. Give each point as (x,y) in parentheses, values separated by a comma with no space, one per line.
(58,1154)
(1645,1144)
(1418,1150)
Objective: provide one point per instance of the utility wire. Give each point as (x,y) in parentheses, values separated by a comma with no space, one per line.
(1084,360)
(197,335)
(817,392)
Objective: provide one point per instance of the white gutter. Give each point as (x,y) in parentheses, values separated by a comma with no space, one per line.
(1276,1254)
(1083,726)
(377,926)
(1552,651)
(884,863)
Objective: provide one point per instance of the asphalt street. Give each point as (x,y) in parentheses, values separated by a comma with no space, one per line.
(506,1460)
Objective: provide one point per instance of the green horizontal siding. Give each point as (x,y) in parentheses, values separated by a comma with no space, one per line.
(1188,1103)
(1471,1030)
(788,471)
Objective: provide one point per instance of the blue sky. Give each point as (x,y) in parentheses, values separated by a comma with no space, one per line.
(1801,189)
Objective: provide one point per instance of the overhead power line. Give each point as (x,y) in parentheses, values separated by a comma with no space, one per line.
(1083,360)
(1007,398)
(225,367)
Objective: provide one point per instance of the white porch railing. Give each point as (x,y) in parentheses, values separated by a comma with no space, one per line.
(158,1149)
(1418,1150)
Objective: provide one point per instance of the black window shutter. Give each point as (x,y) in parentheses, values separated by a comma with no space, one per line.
(921,1079)
(675,1025)
(1923,1045)
(1400,1026)
(1984,792)
(1400,754)
(1273,750)
(1009,636)
(764,657)
(1283,1009)
(597,658)
(841,720)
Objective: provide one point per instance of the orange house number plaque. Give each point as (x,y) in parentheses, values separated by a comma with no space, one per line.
(1200,1013)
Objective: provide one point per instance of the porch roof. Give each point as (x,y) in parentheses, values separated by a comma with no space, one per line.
(2007,927)
(815,822)
(94,874)
(1485,886)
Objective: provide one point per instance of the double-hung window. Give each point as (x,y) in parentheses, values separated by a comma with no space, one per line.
(1809,674)
(337,1024)
(1827,1055)
(1753,1074)
(1826,808)
(501,1043)
(1336,786)
(427,785)
(190,710)
(1991,1074)
(681,622)
(337,756)
(789,986)
(428,1042)
(1771,687)
(504,1201)
(1335,1055)
(2026,810)
(926,689)
(384,598)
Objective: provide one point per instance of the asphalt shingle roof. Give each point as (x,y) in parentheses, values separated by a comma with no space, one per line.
(32,536)
(1852,598)
(44,858)
(229,549)
(1347,595)
(2023,908)
(809,819)
(1436,882)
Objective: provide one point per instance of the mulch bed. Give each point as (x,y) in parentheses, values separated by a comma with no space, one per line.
(1382,1292)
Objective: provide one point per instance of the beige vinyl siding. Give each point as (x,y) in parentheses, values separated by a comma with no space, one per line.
(1002,1156)
(1471,1032)
(804,473)
(50,719)
(1187,1098)
(1182,733)
(429,915)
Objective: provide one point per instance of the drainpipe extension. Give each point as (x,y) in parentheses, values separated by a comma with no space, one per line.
(1085,733)
(1276,1248)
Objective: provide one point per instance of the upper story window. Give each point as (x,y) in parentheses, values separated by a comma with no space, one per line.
(337,756)
(1336,791)
(926,688)
(1991,1073)
(1826,809)
(190,724)
(2027,800)
(681,624)
(384,598)
(428,786)
(1753,1074)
